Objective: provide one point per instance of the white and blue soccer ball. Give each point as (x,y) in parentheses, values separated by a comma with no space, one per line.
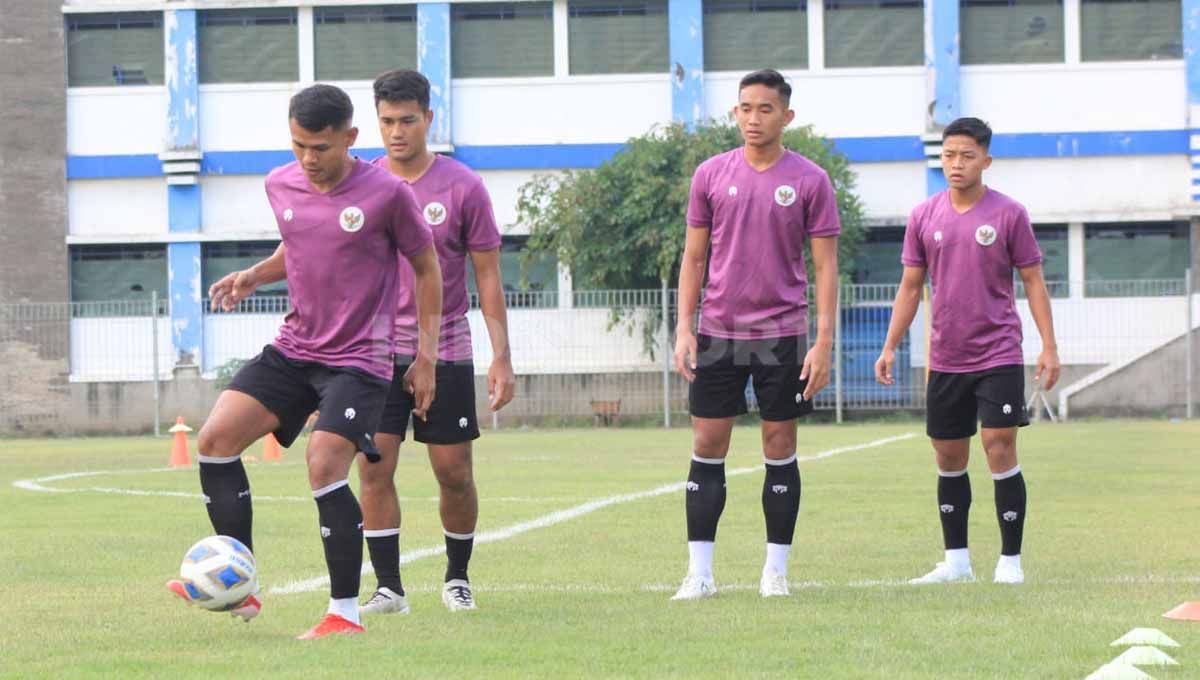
(218,573)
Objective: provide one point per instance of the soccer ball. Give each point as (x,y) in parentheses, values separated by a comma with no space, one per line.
(218,573)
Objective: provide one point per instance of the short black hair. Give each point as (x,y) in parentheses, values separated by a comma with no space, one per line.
(772,79)
(402,85)
(320,106)
(970,127)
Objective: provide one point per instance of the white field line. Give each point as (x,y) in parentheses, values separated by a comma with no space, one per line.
(560,516)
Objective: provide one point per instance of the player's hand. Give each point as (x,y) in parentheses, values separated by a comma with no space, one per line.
(502,383)
(231,289)
(1048,369)
(685,355)
(420,380)
(817,364)
(883,367)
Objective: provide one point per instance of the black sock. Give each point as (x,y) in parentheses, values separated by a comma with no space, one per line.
(954,502)
(1010,511)
(385,560)
(458,556)
(227,498)
(781,501)
(705,499)
(342,534)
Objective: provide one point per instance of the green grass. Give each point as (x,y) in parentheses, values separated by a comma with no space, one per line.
(1111,543)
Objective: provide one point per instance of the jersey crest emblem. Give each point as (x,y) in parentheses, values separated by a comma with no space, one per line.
(435,213)
(352,219)
(985,235)
(785,195)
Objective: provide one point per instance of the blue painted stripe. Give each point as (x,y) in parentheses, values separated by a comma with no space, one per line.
(552,156)
(433,60)
(183,87)
(685,29)
(183,208)
(187,317)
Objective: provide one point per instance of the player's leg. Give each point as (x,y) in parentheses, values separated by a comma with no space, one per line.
(351,406)
(776,367)
(715,398)
(381,503)
(448,430)
(1001,395)
(950,424)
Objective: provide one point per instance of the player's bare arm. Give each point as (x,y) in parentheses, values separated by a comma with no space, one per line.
(908,298)
(819,359)
(691,274)
(419,380)
(234,287)
(1048,365)
(502,382)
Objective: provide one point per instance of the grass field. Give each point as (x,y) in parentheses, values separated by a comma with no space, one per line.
(1111,543)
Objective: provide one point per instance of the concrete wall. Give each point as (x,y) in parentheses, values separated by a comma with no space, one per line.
(1153,385)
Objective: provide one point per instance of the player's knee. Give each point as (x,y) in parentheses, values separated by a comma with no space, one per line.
(375,480)
(215,442)
(779,442)
(455,479)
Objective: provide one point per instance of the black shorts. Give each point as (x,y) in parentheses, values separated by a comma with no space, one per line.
(350,400)
(955,402)
(723,366)
(451,418)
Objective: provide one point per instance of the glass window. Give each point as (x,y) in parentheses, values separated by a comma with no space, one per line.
(248,45)
(493,40)
(124,48)
(874,33)
(219,259)
(618,36)
(1122,259)
(110,273)
(1115,30)
(1011,31)
(744,35)
(1052,240)
(359,43)
(541,278)
(878,258)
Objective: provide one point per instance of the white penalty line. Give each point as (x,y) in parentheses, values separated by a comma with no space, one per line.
(560,516)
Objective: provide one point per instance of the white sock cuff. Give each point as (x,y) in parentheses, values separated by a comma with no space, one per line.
(214,460)
(1005,475)
(325,490)
(785,461)
(460,537)
(380,533)
(952,473)
(708,461)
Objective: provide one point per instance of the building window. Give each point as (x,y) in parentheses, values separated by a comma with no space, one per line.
(1136,258)
(1118,30)
(540,286)
(743,35)
(248,45)
(219,259)
(496,40)
(1052,241)
(118,274)
(1011,31)
(878,258)
(123,48)
(618,36)
(874,33)
(359,43)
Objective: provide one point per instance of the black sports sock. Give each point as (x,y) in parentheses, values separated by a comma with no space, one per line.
(1010,511)
(954,502)
(385,559)
(705,499)
(781,501)
(227,499)
(458,556)
(342,534)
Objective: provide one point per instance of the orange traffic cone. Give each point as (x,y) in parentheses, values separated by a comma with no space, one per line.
(1188,611)
(271,449)
(179,448)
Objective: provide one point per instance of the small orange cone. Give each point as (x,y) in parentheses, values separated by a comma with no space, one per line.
(271,449)
(179,448)
(1188,611)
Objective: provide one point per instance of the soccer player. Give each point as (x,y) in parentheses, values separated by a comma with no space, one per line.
(754,207)
(343,223)
(969,238)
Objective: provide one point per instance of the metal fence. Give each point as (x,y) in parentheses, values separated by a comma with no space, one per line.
(584,356)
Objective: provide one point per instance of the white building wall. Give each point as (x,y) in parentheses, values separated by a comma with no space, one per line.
(235,206)
(116,120)
(115,208)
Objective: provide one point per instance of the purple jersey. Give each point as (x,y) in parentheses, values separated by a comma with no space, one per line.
(456,206)
(341,252)
(970,258)
(759,221)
